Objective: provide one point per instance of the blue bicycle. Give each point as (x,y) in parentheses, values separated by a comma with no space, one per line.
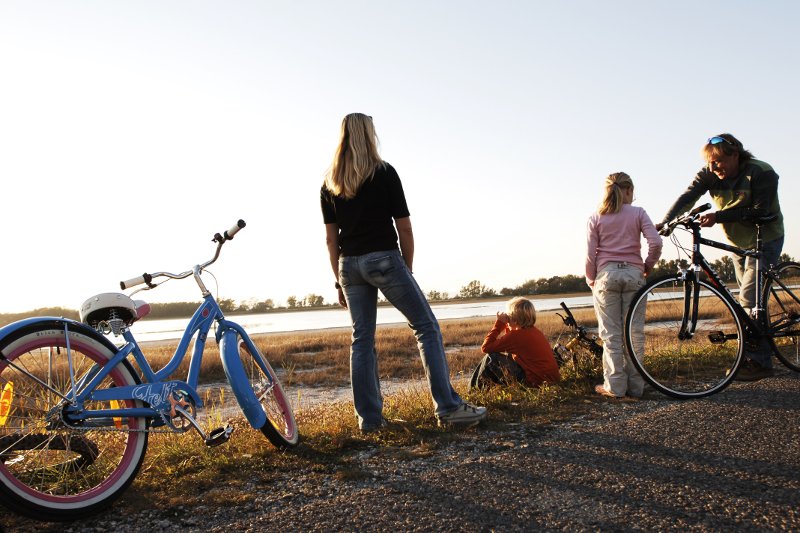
(76,410)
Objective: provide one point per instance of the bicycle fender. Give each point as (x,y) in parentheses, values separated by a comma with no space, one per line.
(240,385)
(18,328)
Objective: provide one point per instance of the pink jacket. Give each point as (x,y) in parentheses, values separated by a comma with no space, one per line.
(617,238)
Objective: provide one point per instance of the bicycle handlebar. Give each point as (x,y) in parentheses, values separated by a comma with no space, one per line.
(220,239)
(686,220)
(569,320)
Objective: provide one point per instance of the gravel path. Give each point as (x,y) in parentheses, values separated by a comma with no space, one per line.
(726,463)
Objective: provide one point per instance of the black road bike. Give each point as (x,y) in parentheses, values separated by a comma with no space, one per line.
(687,334)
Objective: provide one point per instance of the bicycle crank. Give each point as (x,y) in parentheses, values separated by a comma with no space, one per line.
(215,437)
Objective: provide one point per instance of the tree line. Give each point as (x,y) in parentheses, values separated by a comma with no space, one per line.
(474,289)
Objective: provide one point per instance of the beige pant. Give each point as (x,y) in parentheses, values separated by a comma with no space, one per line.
(612,293)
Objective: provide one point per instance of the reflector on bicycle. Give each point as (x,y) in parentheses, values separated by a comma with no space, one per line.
(5,402)
(117,420)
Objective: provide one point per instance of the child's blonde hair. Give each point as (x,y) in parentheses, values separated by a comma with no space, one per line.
(521,310)
(612,201)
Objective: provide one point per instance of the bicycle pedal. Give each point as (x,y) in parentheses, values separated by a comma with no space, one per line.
(219,436)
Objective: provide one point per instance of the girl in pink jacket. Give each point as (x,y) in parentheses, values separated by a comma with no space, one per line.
(615,271)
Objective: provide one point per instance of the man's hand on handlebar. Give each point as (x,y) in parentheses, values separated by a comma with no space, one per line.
(707,220)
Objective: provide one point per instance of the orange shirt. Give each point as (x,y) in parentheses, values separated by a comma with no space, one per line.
(528,347)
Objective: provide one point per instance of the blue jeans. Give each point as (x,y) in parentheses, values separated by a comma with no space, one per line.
(361,278)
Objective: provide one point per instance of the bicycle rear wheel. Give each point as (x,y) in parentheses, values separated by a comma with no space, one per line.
(280,427)
(689,365)
(48,470)
(783,310)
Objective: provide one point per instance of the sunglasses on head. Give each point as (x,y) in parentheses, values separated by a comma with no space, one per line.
(717,140)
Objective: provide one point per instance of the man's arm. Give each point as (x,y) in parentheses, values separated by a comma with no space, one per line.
(686,201)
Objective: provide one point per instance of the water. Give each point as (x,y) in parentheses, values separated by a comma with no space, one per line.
(172,329)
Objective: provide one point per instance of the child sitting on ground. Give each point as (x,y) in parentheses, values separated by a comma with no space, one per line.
(516,351)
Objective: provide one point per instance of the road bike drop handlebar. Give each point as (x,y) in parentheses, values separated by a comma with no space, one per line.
(685,220)
(148,278)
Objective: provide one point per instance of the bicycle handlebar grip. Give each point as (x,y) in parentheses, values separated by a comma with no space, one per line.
(144,278)
(234,230)
(699,209)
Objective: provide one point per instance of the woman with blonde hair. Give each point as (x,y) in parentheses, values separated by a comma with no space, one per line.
(371,248)
(615,271)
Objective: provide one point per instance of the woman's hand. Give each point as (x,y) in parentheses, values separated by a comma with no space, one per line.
(502,317)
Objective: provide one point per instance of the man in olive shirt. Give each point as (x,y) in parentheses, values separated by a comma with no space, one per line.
(742,188)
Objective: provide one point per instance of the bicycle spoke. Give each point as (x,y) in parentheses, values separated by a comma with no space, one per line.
(783,313)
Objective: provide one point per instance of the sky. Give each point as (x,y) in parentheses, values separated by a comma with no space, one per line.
(131,132)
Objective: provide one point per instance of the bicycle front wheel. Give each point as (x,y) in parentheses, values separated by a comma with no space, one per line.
(783,309)
(51,469)
(673,359)
(280,427)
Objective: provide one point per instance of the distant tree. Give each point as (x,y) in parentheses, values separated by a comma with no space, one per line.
(664,268)
(262,306)
(313,300)
(436,295)
(291,302)
(529,287)
(475,289)
(785,257)
(724,268)
(227,305)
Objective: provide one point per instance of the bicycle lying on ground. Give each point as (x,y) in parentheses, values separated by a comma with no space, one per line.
(75,414)
(582,349)
(687,333)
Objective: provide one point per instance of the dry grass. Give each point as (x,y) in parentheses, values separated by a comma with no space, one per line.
(180,470)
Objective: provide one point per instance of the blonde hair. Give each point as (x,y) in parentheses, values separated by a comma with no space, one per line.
(356,157)
(612,201)
(521,310)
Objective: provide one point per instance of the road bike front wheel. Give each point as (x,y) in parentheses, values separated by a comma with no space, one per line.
(280,427)
(51,469)
(673,359)
(783,311)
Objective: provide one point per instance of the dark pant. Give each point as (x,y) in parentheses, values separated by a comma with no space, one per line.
(496,368)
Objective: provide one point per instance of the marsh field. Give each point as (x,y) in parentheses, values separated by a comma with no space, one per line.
(321,358)
(180,470)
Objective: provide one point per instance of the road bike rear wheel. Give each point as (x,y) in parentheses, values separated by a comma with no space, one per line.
(48,470)
(280,427)
(783,311)
(690,365)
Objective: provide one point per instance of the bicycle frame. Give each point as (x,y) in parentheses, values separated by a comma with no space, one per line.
(754,324)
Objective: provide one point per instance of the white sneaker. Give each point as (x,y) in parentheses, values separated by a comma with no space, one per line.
(466,414)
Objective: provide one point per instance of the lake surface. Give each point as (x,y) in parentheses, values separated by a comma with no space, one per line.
(172,329)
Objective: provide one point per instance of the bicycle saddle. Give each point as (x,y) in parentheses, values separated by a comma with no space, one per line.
(109,305)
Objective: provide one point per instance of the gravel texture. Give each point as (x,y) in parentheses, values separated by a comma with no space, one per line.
(726,463)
